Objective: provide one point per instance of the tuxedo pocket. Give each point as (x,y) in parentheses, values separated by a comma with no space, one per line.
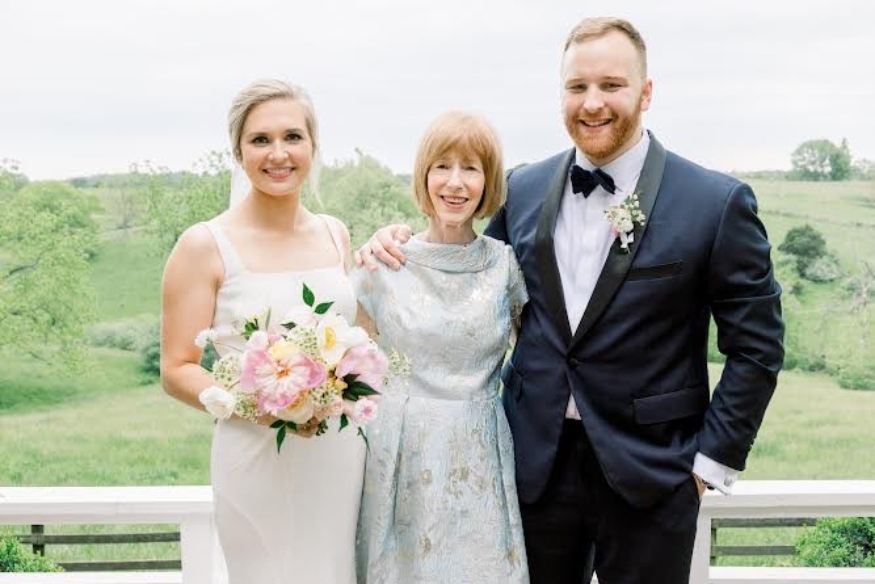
(654,409)
(512,380)
(654,272)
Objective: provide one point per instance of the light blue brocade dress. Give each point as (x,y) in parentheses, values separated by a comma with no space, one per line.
(440,501)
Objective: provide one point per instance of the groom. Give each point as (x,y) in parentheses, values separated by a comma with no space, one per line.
(607,391)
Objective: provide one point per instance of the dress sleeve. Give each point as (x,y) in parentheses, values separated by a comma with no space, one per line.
(364,283)
(516,287)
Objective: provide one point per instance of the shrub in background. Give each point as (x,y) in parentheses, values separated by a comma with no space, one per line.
(823,269)
(839,543)
(14,557)
(860,377)
(127,334)
(806,244)
(150,351)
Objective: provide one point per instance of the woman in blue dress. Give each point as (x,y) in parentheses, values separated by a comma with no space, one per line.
(440,501)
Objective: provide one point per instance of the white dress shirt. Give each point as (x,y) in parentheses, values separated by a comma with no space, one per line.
(582,240)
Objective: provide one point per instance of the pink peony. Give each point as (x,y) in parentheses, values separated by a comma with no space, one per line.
(255,363)
(279,374)
(366,361)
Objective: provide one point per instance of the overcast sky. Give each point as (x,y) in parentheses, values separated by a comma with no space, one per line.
(89,86)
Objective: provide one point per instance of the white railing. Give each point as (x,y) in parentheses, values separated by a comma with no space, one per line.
(191,509)
(773,499)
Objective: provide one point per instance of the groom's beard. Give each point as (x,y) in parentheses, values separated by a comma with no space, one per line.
(623,132)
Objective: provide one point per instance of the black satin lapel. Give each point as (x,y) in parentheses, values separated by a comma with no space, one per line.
(618,263)
(551,282)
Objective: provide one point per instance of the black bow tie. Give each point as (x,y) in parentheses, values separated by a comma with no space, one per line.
(584,181)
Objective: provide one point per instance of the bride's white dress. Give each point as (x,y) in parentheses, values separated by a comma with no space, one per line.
(288,517)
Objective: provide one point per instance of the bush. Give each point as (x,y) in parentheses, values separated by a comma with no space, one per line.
(857,378)
(806,244)
(839,543)
(811,362)
(14,557)
(129,334)
(823,269)
(150,351)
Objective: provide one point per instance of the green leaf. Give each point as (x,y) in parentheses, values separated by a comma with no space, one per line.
(278,424)
(309,298)
(280,437)
(323,308)
(358,389)
(344,422)
(289,325)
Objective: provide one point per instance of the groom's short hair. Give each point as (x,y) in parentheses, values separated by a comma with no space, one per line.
(593,28)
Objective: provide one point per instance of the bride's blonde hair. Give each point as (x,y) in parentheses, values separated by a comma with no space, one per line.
(264,90)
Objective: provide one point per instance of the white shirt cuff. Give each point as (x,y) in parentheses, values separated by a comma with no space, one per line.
(717,475)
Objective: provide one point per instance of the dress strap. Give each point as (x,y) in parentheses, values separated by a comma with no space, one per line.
(330,222)
(232,262)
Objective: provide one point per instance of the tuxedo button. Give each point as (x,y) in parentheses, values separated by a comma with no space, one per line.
(728,481)
(574,362)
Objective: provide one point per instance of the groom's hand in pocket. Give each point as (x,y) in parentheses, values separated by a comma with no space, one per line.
(700,485)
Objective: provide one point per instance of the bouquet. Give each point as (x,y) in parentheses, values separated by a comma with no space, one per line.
(310,367)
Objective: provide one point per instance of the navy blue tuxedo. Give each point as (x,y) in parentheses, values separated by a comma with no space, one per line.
(636,363)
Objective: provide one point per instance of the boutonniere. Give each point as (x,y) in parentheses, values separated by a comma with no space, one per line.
(623,217)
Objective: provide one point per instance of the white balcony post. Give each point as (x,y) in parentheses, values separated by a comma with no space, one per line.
(197,543)
(702,549)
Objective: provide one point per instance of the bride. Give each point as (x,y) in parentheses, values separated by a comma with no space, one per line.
(282,517)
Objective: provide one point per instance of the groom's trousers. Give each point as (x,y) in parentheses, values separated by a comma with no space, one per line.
(580,524)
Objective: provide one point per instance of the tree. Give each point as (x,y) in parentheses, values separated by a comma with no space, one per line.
(863,169)
(366,196)
(47,235)
(175,202)
(11,179)
(840,162)
(819,160)
(363,193)
(806,244)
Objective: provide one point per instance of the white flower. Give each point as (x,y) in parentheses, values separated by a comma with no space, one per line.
(302,315)
(205,337)
(623,221)
(226,371)
(258,341)
(218,402)
(623,218)
(335,337)
(300,411)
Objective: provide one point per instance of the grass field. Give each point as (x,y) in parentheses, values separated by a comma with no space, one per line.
(127,278)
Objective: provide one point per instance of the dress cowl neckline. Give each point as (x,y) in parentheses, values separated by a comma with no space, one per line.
(447,257)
